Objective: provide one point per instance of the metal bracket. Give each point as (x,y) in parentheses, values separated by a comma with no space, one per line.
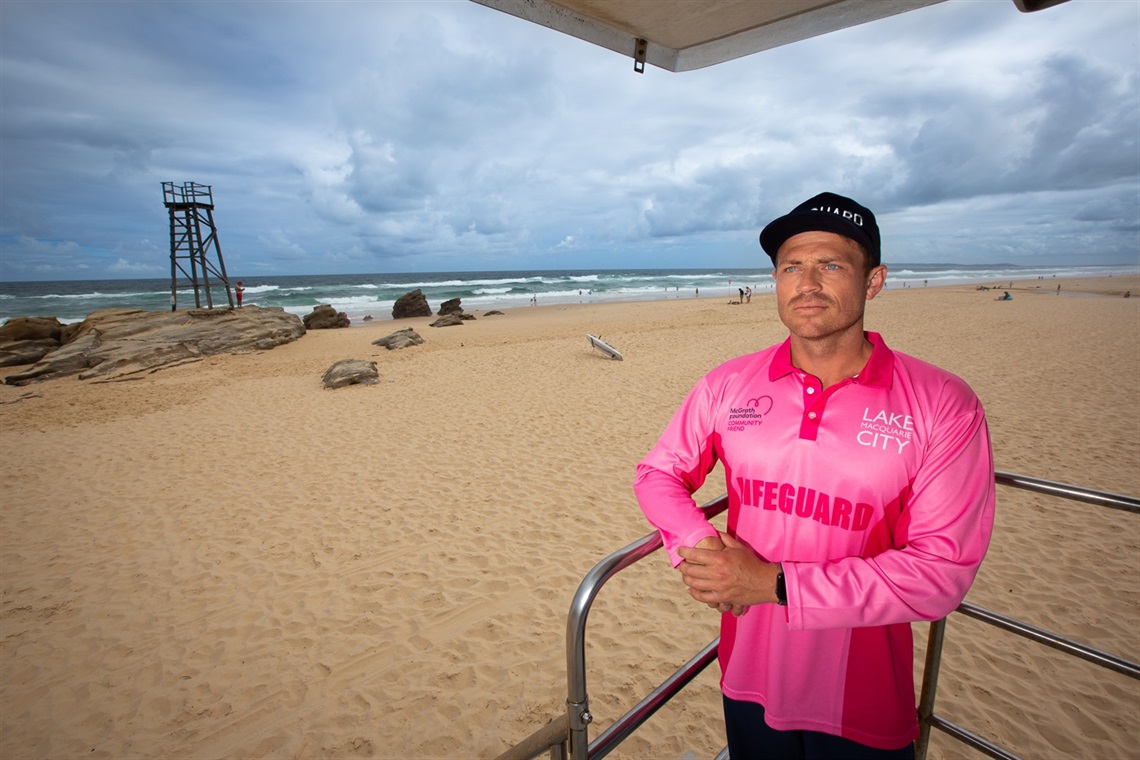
(579,715)
(639,55)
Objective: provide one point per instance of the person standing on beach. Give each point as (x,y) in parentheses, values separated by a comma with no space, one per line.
(238,291)
(860,498)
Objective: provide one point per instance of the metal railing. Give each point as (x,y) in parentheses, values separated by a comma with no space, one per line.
(927,718)
(568,736)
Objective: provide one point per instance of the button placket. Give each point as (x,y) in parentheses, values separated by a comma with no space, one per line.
(813,398)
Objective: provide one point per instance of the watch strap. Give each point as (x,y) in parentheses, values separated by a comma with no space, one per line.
(781,588)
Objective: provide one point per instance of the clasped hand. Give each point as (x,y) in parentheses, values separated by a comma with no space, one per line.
(727,575)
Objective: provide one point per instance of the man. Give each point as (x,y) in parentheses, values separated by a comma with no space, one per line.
(861,495)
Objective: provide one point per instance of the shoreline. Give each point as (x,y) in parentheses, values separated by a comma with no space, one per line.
(551,288)
(225,559)
(1076,284)
(1109,287)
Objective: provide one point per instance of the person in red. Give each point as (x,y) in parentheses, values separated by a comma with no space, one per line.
(861,495)
(238,291)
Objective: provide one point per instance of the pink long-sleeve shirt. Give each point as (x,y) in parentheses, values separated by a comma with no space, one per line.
(877,496)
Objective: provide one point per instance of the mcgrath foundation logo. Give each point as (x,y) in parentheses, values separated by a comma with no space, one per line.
(749,415)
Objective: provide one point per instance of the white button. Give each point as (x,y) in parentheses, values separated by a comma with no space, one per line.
(811,415)
(811,390)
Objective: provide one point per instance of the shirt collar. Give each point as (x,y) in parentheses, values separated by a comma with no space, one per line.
(878,372)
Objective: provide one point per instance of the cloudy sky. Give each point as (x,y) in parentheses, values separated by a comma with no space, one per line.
(362,137)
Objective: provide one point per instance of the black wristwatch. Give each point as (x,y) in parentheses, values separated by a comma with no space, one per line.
(781,588)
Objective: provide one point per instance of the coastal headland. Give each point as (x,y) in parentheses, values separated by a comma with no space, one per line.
(225,559)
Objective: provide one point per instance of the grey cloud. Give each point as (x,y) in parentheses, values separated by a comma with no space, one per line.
(377,135)
(1071,129)
(717,199)
(1087,135)
(1121,206)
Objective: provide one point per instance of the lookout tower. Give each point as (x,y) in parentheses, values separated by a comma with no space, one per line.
(193,240)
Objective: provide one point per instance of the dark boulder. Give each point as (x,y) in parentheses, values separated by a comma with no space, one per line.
(26,340)
(30,328)
(325,317)
(450,307)
(412,304)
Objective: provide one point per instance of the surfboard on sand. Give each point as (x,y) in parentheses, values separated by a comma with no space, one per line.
(604,347)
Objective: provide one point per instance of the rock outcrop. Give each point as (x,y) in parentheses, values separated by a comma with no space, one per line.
(450,307)
(30,328)
(325,317)
(399,339)
(413,304)
(449,320)
(26,351)
(351,372)
(112,343)
(26,340)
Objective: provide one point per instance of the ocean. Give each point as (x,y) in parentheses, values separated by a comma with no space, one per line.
(361,295)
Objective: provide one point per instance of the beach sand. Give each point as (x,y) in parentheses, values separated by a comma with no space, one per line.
(227,560)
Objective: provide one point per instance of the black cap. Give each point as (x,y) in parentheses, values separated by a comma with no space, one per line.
(826,212)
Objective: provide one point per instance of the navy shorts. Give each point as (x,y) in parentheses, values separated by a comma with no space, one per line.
(750,738)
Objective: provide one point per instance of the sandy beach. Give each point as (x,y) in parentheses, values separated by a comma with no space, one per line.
(224,559)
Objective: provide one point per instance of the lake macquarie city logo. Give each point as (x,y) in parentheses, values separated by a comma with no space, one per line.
(749,415)
(885,430)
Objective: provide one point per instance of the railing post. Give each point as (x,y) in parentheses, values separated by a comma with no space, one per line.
(929,686)
(578,716)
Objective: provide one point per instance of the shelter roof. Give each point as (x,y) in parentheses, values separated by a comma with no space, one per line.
(682,35)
